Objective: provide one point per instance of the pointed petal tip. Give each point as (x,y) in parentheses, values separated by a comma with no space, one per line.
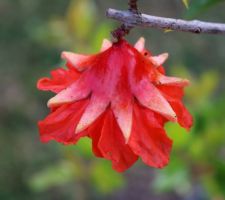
(141,40)
(59,100)
(51,102)
(96,107)
(66,55)
(182,82)
(123,112)
(80,127)
(168,80)
(166,54)
(126,136)
(140,44)
(54,101)
(186,81)
(171,116)
(164,164)
(78,61)
(160,59)
(150,97)
(125,127)
(106,44)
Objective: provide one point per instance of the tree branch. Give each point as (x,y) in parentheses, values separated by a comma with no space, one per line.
(143,20)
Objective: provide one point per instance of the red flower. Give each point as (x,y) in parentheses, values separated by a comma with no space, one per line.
(120,98)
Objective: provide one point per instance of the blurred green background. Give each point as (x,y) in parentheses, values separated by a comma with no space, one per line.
(32,35)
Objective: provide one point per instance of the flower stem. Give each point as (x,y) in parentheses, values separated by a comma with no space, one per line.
(125,28)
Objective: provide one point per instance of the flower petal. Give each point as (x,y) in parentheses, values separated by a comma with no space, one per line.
(184,117)
(106,44)
(94,132)
(60,79)
(95,108)
(149,140)
(166,80)
(150,97)
(112,144)
(159,60)
(174,96)
(77,91)
(121,103)
(123,114)
(171,92)
(78,61)
(60,125)
(140,44)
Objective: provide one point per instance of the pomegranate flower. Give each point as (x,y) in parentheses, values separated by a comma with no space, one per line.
(121,99)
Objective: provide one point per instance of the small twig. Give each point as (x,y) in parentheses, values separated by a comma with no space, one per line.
(125,28)
(143,20)
(133,5)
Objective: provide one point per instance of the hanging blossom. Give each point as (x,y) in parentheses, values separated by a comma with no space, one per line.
(121,99)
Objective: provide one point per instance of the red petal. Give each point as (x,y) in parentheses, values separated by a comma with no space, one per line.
(171,91)
(76,91)
(174,81)
(161,70)
(121,105)
(60,125)
(148,139)
(61,79)
(150,97)
(94,132)
(78,61)
(112,145)
(174,96)
(184,117)
(123,112)
(95,108)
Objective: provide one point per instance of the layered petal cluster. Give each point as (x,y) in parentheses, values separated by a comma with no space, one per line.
(121,99)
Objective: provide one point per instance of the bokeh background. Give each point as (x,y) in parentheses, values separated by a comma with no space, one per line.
(32,35)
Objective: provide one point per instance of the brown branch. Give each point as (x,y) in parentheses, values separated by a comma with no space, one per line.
(143,20)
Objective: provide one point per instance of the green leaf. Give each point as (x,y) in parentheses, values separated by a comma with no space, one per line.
(186,3)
